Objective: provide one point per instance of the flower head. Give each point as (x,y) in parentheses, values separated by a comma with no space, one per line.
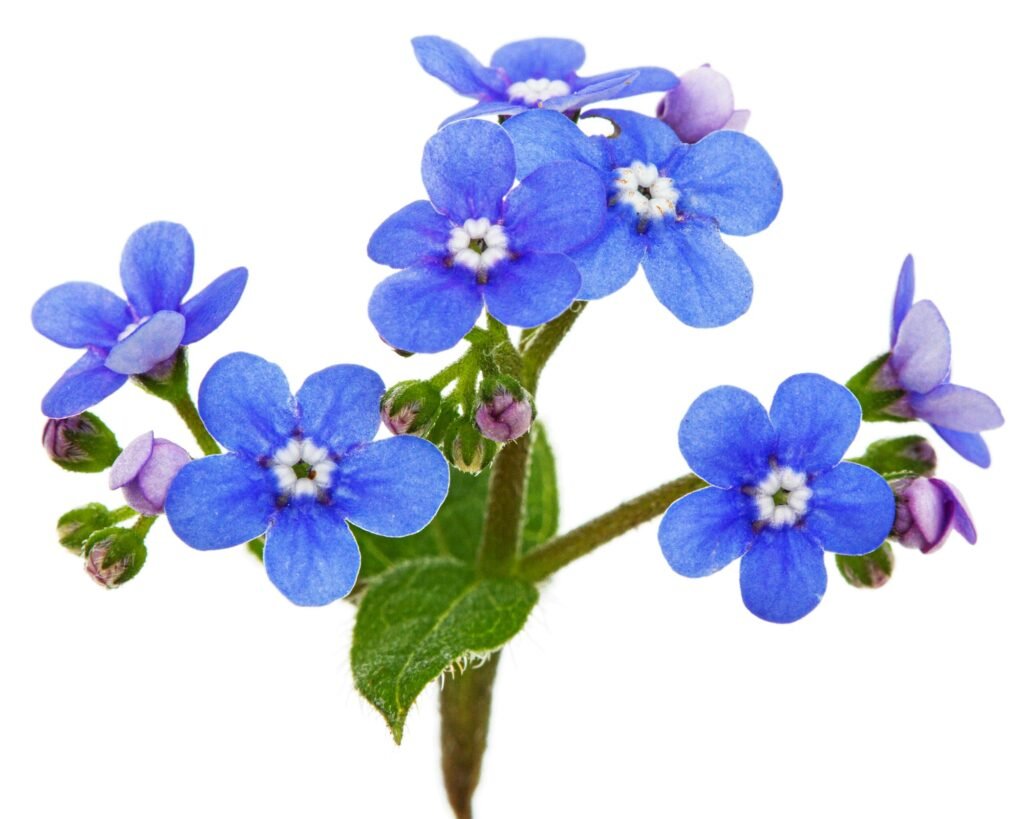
(927,511)
(668,204)
(700,104)
(538,73)
(779,495)
(144,472)
(471,244)
(299,468)
(123,338)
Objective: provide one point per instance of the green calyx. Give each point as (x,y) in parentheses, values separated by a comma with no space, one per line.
(76,526)
(82,443)
(876,397)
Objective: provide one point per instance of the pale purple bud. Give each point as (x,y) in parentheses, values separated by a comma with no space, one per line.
(144,472)
(700,104)
(927,510)
(114,556)
(504,417)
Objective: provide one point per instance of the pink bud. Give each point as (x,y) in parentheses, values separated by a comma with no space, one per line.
(504,417)
(700,104)
(144,471)
(927,510)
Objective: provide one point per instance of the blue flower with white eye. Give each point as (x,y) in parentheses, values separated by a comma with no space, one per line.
(668,204)
(779,496)
(531,74)
(124,338)
(298,469)
(472,245)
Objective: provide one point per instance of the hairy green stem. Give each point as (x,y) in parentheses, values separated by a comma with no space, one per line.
(543,342)
(190,415)
(142,526)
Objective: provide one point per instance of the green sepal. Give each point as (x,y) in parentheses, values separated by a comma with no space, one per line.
(416,402)
(892,458)
(466,448)
(125,553)
(75,527)
(870,571)
(425,617)
(256,546)
(168,379)
(875,401)
(82,443)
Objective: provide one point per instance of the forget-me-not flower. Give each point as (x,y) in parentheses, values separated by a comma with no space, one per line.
(779,495)
(471,244)
(123,338)
(299,468)
(668,203)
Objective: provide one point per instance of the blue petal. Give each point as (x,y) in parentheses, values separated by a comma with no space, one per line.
(706,530)
(532,289)
(149,344)
(611,260)
(501,108)
(904,297)
(851,510)
(206,310)
(726,437)
(426,309)
(696,275)
(414,233)
(392,487)
(957,408)
(456,67)
(816,420)
(220,501)
(247,405)
(783,576)
(921,354)
(640,137)
(467,168)
(85,384)
(340,406)
(558,207)
(540,137)
(615,85)
(646,79)
(550,58)
(79,314)
(156,267)
(730,178)
(969,445)
(311,555)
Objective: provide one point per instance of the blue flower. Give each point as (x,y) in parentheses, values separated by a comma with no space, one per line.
(129,338)
(668,203)
(779,495)
(531,74)
(919,365)
(470,244)
(298,469)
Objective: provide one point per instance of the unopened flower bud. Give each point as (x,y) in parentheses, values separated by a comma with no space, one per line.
(927,510)
(466,448)
(144,472)
(700,104)
(505,411)
(870,571)
(909,456)
(81,443)
(114,556)
(410,407)
(75,527)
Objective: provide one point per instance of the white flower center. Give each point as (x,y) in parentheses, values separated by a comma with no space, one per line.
(478,245)
(652,196)
(533,91)
(782,497)
(302,468)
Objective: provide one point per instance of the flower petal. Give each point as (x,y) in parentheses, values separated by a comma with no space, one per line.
(148,493)
(727,438)
(851,510)
(640,137)
(696,275)
(220,501)
(550,58)
(247,405)
(467,168)
(208,308)
(612,258)
(340,406)
(149,344)
(426,308)
(156,267)
(730,178)
(706,530)
(485,109)
(816,420)
(414,233)
(613,86)
(969,445)
(962,520)
(456,67)
(532,289)
(79,314)
(86,383)
(957,408)
(783,576)
(540,137)
(132,458)
(904,298)
(392,487)
(921,354)
(558,207)
(645,80)
(311,555)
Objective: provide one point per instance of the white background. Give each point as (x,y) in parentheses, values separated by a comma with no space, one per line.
(282,136)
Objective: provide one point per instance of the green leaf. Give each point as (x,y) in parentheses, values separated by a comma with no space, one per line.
(874,401)
(541,522)
(870,571)
(903,457)
(419,618)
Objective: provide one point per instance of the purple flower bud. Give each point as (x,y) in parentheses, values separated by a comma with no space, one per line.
(700,104)
(81,443)
(114,556)
(144,472)
(927,510)
(410,407)
(506,411)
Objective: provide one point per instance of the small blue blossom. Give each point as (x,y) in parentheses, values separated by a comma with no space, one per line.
(130,338)
(779,495)
(668,203)
(531,74)
(299,468)
(471,245)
